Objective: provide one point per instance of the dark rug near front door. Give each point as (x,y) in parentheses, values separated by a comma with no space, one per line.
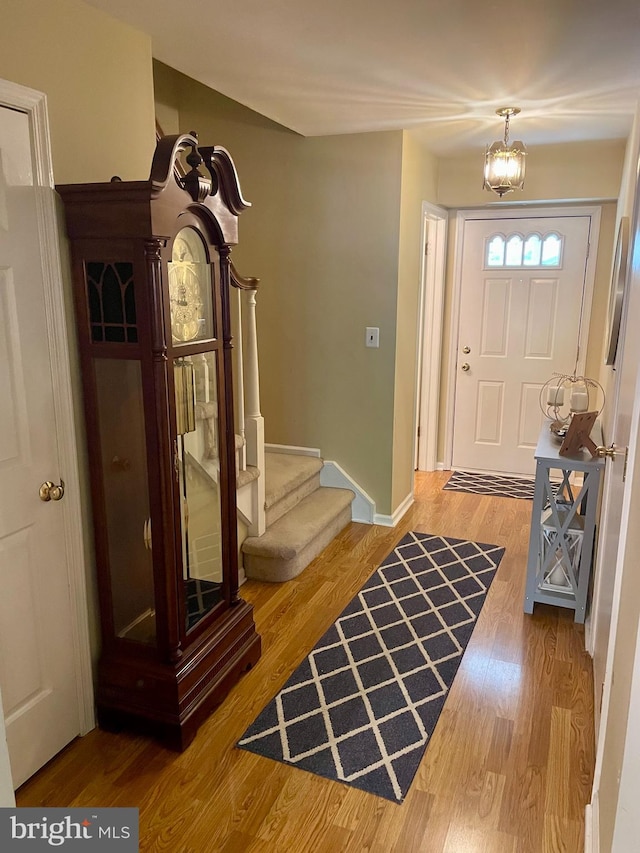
(491,484)
(362,706)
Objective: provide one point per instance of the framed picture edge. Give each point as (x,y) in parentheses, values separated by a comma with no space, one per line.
(617,289)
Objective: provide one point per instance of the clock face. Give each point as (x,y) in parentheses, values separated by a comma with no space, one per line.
(186,304)
(189,289)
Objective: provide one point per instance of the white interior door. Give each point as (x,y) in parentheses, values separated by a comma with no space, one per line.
(623,399)
(616,602)
(521,298)
(37,664)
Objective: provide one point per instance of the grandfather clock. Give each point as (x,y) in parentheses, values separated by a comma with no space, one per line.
(151,277)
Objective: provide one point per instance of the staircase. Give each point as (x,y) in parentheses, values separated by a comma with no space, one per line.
(289,516)
(301,518)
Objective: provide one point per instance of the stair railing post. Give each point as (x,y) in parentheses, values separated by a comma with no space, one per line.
(254,422)
(238,378)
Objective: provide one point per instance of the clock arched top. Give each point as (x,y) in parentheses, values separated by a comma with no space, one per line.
(220,182)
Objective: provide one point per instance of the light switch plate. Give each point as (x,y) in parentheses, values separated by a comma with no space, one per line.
(372,338)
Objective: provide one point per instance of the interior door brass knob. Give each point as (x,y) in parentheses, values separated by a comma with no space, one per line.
(465,367)
(609,452)
(50,492)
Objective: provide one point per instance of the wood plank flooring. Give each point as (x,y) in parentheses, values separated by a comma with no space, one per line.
(508,769)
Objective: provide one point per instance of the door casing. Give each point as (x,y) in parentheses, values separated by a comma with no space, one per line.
(521,212)
(430,331)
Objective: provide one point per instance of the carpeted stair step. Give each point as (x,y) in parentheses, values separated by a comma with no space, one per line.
(292,542)
(249,474)
(288,480)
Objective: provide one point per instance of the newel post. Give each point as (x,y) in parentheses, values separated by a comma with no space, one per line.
(254,422)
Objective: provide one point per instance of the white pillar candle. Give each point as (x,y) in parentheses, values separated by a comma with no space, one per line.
(555,395)
(579,400)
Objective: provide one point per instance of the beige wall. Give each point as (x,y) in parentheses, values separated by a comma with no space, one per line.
(345,227)
(419,183)
(323,237)
(97,76)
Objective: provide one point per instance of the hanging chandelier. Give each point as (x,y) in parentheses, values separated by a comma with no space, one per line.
(504,162)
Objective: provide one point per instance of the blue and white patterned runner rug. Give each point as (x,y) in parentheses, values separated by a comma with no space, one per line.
(491,484)
(362,706)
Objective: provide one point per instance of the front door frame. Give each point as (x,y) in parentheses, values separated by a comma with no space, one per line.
(34,104)
(520,212)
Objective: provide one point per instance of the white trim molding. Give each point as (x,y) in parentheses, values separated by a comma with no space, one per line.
(293,450)
(363,508)
(394,518)
(430,331)
(591,826)
(34,104)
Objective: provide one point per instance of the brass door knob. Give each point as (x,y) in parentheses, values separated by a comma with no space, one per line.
(50,492)
(465,367)
(609,452)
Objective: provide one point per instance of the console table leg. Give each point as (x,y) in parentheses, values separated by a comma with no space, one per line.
(533,561)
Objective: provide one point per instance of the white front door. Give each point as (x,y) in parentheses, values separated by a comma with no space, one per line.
(38,676)
(521,298)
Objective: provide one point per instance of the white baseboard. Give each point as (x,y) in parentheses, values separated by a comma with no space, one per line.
(588,636)
(591,826)
(392,520)
(363,508)
(293,450)
(440,466)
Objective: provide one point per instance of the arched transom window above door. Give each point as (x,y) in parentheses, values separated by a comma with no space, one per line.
(524,251)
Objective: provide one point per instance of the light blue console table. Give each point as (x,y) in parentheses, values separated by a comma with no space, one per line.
(563,526)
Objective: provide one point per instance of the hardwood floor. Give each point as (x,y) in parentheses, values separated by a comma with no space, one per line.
(508,769)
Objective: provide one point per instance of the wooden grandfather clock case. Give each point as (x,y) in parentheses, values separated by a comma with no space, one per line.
(151,278)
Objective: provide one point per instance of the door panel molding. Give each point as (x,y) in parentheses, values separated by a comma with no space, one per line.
(59,333)
(521,212)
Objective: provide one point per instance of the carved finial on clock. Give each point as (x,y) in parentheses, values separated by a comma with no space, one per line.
(194,182)
(167,167)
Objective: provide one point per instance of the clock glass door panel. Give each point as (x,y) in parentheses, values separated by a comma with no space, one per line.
(190,294)
(126,497)
(198,466)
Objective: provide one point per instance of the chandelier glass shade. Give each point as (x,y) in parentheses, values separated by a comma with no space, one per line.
(504,162)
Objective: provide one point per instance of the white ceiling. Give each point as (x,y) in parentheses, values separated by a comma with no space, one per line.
(441,67)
